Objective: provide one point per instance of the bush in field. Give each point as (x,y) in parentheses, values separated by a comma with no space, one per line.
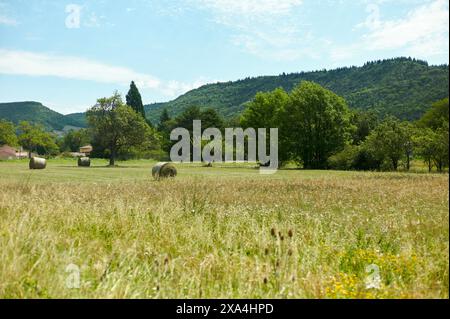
(355,157)
(345,159)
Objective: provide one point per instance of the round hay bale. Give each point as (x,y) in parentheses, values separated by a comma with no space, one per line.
(37,163)
(84,161)
(163,170)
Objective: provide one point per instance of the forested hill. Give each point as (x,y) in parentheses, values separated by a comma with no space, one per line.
(37,113)
(402,87)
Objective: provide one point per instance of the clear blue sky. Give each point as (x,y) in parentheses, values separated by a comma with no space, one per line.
(66,54)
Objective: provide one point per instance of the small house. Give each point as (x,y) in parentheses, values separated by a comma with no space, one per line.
(7,153)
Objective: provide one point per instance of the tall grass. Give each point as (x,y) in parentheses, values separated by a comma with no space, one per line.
(221,233)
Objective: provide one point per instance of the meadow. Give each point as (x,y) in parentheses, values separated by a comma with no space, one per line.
(220,232)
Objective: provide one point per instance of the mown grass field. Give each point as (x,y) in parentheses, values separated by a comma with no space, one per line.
(220,232)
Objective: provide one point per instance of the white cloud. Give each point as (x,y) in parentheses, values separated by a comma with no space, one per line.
(8,21)
(175,88)
(39,64)
(422,33)
(250,9)
(265,28)
(424,29)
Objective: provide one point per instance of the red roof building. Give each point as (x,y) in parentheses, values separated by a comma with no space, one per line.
(7,152)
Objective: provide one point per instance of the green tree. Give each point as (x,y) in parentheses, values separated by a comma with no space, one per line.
(424,142)
(74,139)
(134,99)
(408,132)
(163,119)
(364,122)
(391,140)
(316,123)
(441,148)
(210,118)
(35,139)
(186,118)
(265,111)
(165,125)
(116,126)
(437,116)
(7,133)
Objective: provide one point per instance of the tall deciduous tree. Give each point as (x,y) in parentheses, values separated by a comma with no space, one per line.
(35,139)
(265,111)
(116,126)
(317,124)
(424,142)
(390,140)
(134,99)
(441,148)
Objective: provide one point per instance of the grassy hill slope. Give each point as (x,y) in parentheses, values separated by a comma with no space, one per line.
(35,112)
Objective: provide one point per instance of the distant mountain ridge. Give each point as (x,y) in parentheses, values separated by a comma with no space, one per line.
(402,87)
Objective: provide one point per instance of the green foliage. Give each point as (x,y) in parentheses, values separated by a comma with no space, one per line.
(265,109)
(364,122)
(7,133)
(37,113)
(164,118)
(355,157)
(441,146)
(134,99)
(424,142)
(77,119)
(316,124)
(117,127)
(73,140)
(437,116)
(389,141)
(431,140)
(345,159)
(209,117)
(313,122)
(402,87)
(165,125)
(34,138)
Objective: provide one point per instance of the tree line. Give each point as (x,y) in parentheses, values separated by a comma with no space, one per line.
(317,130)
